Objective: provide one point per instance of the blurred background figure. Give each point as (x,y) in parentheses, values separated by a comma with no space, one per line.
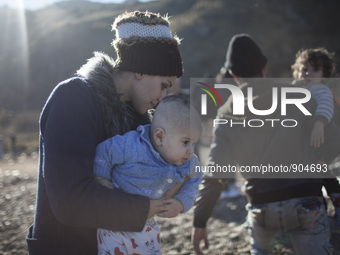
(14,146)
(243,58)
(1,147)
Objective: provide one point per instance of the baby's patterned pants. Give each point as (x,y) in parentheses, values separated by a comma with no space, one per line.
(146,242)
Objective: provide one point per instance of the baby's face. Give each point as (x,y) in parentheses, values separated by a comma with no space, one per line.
(178,145)
(312,75)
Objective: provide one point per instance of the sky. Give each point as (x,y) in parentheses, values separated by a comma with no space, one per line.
(37,4)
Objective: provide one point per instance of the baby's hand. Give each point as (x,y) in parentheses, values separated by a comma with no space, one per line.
(171,208)
(317,134)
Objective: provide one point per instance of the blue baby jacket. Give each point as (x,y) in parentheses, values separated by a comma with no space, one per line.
(132,164)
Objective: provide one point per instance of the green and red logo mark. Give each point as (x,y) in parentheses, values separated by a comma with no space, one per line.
(204,97)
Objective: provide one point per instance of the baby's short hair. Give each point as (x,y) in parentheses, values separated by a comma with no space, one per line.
(175,112)
(317,57)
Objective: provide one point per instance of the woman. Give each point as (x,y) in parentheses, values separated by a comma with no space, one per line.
(107,98)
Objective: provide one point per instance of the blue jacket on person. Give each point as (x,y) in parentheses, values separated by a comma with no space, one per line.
(134,166)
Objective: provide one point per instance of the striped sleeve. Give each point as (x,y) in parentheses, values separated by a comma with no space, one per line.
(324,99)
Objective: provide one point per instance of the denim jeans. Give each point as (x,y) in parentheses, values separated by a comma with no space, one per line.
(303,220)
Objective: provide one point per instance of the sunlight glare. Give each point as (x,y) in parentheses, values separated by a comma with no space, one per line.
(24,53)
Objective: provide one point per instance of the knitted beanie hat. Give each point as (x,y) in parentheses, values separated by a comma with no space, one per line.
(244,57)
(144,44)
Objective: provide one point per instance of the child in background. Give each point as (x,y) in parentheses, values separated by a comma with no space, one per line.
(151,161)
(311,68)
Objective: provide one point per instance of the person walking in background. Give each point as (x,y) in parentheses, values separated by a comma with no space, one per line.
(106,98)
(14,146)
(244,58)
(275,205)
(2,151)
(247,60)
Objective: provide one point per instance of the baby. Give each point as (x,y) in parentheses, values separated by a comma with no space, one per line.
(156,161)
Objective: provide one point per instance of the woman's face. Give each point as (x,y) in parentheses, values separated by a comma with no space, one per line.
(148,90)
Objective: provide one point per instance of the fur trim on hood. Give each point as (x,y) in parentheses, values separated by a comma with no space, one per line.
(120,117)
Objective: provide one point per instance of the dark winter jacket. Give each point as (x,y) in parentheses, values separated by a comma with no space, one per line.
(267,145)
(79,114)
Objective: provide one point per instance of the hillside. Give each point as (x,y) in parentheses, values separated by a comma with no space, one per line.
(55,41)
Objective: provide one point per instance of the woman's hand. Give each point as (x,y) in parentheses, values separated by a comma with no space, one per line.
(154,207)
(171,208)
(105,182)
